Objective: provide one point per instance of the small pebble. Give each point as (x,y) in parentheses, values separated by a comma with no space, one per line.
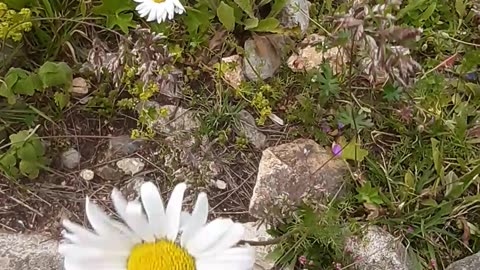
(131,166)
(71,158)
(87,174)
(221,184)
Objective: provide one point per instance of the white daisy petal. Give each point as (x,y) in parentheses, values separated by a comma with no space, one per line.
(160,15)
(153,205)
(142,7)
(240,255)
(153,15)
(119,203)
(78,252)
(197,220)
(227,240)
(80,231)
(110,244)
(179,11)
(174,209)
(144,13)
(170,8)
(73,264)
(207,236)
(98,219)
(137,221)
(164,15)
(178,5)
(139,1)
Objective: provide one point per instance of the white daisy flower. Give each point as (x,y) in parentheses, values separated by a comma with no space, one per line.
(149,239)
(159,10)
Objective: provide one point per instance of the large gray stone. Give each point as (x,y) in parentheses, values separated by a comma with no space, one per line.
(249,128)
(296,14)
(293,173)
(376,249)
(28,252)
(263,55)
(254,232)
(468,263)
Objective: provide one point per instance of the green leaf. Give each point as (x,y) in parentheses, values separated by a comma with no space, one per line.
(409,180)
(197,20)
(246,6)
(267,25)
(18,4)
(428,12)
(392,93)
(453,187)
(29,169)
(277,6)
(226,16)
(112,7)
(355,119)
(411,6)
(37,145)
(369,194)
(437,157)
(8,160)
(17,140)
(122,20)
(251,23)
(61,99)
(25,86)
(55,74)
(470,177)
(352,150)
(212,4)
(460,7)
(27,152)
(7,93)
(429,202)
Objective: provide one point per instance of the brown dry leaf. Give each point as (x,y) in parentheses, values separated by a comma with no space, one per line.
(474,132)
(373,209)
(466,231)
(217,40)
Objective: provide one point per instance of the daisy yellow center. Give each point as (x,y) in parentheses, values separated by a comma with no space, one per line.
(161,255)
(158,1)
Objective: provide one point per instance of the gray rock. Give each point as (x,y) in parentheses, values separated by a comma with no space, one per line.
(234,74)
(131,190)
(123,145)
(32,252)
(377,249)
(247,123)
(253,232)
(131,166)
(71,158)
(265,61)
(176,119)
(296,14)
(79,87)
(109,173)
(171,119)
(146,105)
(292,173)
(468,263)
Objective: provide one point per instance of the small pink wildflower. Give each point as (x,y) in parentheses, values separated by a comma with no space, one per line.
(302,260)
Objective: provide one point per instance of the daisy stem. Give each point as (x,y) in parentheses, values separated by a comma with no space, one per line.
(269,242)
